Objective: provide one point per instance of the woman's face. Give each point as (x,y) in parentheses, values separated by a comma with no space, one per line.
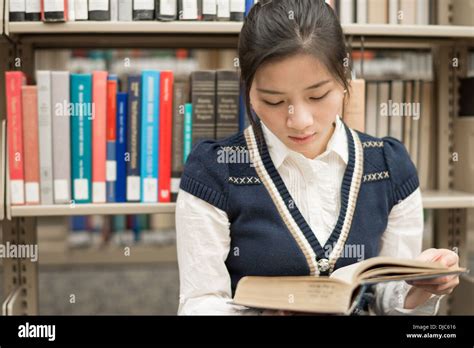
(298,100)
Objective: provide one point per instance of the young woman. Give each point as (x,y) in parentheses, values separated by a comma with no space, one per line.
(298,192)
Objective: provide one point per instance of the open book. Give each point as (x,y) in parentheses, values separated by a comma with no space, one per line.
(337,294)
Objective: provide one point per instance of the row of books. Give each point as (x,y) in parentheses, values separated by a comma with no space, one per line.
(128,10)
(404,110)
(78,138)
(404,12)
(99,231)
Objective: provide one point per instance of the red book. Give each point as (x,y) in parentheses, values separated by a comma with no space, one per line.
(166,117)
(111,161)
(30,144)
(54,10)
(99,120)
(14,80)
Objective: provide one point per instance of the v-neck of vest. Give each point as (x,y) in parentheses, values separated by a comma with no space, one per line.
(321,259)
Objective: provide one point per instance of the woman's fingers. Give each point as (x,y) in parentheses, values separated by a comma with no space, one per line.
(433,281)
(440,289)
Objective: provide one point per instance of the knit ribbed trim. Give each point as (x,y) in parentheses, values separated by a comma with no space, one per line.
(403,191)
(204,192)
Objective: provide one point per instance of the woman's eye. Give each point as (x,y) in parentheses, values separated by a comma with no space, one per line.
(273,104)
(321,97)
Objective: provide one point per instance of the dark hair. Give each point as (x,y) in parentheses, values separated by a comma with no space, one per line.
(277,29)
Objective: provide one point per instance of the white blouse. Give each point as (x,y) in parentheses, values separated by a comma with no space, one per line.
(203,231)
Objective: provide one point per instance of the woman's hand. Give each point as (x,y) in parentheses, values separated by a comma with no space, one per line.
(422,289)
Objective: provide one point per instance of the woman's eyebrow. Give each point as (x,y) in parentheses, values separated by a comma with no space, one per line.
(316,85)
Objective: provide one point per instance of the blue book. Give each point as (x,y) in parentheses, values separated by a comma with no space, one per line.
(111,160)
(121,147)
(133,138)
(243,121)
(149,140)
(248,5)
(188,130)
(81,137)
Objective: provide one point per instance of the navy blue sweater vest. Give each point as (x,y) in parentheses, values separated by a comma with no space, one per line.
(269,236)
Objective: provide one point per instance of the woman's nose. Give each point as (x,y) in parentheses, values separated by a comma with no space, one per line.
(299,118)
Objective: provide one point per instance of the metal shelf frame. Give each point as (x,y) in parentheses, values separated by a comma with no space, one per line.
(20,276)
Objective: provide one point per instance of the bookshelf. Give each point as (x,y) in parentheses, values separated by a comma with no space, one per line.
(451,200)
(219,28)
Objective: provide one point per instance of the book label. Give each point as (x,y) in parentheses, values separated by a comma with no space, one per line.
(17,5)
(133,188)
(17,193)
(61,190)
(33,6)
(81,189)
(98,5)
(111,170)
(143,5)
(168,7)
(237,5)
(98,192)
(32,192)
(53,5)
(150,190)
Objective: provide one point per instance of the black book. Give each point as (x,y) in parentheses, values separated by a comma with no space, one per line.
(17,10)
(99,10)
(180,98)
(227,103)
(466,101)
(203,98)
(143,10)
(133,138)
(166,10)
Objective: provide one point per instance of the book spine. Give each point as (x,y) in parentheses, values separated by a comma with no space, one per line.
(133,138)
(361,9)
(30,143)
(99,120)
(188,10)
(377,11)
(248,6)
(143,10)
(14,81)
(149,138)
(203,98)
(43,79)
(125,10)
(54,10)
(223,10)
(393,8)
(121,147)
(166,121)
(71,10)
(227,103)
(81,10)
(166,10)
(188,131)
(114,10)
(181,91)
(209,10)
(61,136)
(33,10)
(111,160)
(17,10)
(81,137)
(346,11)
(237,10)
(99,10)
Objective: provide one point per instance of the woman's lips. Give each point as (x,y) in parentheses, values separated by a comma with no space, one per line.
(302,140)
